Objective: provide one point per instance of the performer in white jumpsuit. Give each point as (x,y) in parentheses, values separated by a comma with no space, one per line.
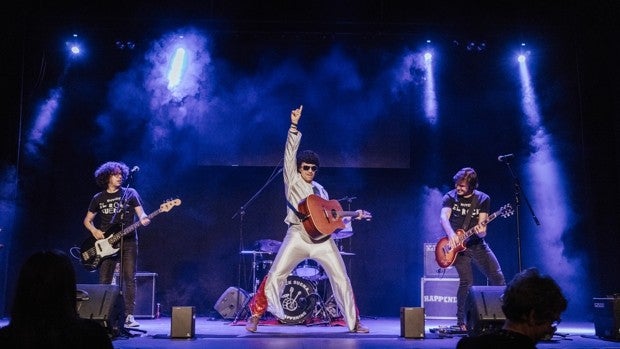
(299,172)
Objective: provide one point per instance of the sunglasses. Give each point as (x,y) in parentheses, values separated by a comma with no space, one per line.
(313,168)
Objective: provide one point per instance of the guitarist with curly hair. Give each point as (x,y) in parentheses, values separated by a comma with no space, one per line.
(465,208)
(116,206)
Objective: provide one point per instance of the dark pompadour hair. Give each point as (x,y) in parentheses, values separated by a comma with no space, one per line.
(309,157)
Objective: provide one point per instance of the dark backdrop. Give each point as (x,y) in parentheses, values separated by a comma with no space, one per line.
(374,141)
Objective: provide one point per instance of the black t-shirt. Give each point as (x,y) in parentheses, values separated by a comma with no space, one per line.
(461,205)
(107,206)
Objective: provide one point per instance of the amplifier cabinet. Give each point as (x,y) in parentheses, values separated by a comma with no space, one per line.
(431,268)
(439,297)
(412,322)
(145,294)
(183,324)
(607,317)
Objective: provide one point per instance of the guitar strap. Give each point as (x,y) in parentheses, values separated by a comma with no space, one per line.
(474,203)
(299,215)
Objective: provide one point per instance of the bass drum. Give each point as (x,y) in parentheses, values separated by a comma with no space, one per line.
(298,300)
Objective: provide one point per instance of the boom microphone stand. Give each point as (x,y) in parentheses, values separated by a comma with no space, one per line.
(241,214)
(518,193)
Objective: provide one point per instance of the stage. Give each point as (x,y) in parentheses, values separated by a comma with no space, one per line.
(384,333)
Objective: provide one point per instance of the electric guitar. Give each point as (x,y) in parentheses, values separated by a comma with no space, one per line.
(324,217)
(93,251)
(445,253)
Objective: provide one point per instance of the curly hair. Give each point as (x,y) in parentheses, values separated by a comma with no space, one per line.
(307,156)
(531,291)
(103,173)
(469,175)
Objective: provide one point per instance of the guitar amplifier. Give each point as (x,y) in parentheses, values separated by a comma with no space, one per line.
(439,297)
(145,294)
(431,268)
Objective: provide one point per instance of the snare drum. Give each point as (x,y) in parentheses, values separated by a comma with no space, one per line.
(310,270)
(298,300)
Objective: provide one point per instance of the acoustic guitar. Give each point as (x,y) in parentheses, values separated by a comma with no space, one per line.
(324,217)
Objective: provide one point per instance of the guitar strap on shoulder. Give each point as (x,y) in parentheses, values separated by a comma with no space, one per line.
(474,203)
(302,217)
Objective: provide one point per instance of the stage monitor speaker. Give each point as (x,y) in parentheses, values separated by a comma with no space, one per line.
(483,309)
(102,303)
(412,322)
(183,323)
(607,317)
(232,302)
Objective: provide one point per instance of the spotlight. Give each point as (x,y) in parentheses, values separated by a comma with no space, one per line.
(73,46)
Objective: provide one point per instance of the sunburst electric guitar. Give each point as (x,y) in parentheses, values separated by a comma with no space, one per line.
(324,217)
(93,251)
(445,253)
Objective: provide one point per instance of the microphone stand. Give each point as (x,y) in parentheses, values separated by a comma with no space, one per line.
(518,194)
(241,214)
(121,267)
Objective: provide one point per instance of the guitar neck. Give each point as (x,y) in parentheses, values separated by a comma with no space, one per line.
(348,213)
(471,231)
(116,237)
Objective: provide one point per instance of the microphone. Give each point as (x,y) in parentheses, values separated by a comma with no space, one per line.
(135,169)
(506,157)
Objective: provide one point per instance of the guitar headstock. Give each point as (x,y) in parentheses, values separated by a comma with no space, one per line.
(169,204)
(364,215)
(506,211)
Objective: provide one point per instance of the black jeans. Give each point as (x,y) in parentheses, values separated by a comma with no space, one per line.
(482,256)
(106,272)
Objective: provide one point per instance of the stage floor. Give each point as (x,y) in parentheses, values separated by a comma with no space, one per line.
(384,333)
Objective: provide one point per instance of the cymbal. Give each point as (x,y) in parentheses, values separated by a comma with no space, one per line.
(255,252)
(346,232)
(347,253)
(343,234)
(267,245)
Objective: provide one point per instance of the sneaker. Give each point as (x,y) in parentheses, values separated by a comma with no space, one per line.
(252,324)
(359,328)
(131,322)
(462,327)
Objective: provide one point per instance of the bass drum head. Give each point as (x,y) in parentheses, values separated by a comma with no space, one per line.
(298,300)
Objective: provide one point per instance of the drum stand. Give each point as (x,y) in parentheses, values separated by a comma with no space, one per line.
(319,312)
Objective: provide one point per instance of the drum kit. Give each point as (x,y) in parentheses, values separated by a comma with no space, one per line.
(300,299)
